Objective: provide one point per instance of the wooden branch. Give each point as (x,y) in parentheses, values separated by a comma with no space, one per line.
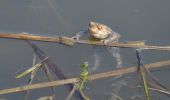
(102,75)
(70,41)
(25,36)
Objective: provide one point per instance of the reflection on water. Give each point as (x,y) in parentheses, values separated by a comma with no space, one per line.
(116,87)
(134,20)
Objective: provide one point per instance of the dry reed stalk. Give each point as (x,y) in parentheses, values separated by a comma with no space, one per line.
(69,41)
(102,75)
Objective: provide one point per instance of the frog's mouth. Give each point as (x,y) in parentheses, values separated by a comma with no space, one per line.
(93,31)
(92,35)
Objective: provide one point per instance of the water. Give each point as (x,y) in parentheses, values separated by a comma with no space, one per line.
(133,19)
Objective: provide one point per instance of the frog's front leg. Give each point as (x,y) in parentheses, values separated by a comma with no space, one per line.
(80,34)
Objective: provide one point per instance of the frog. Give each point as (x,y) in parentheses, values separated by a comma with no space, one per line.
(99,32)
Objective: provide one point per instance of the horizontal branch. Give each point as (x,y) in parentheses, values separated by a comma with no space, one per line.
(102,75)
(70,41)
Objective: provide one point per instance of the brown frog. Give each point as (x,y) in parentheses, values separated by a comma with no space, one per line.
(106,35)
(99,32)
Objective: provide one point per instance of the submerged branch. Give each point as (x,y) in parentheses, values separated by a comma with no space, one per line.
(69,41)
(54,68)
(102,75)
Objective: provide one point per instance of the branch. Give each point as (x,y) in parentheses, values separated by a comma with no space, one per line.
(70,41)
(92,77)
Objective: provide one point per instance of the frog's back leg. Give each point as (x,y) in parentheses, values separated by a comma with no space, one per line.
(98,50)
(115,52)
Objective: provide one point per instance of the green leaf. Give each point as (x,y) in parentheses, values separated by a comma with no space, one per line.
(29,70)
(145,84)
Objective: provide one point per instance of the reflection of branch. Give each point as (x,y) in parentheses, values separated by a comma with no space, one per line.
(70,41)
(71,93)
(92,77)
(159,90)
(114,95)
(53,67)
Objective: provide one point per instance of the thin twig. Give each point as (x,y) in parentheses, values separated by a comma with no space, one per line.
(92,77)
(141,69)
(71,93)
(70,41)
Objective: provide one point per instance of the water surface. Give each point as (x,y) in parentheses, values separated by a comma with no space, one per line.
(133,19)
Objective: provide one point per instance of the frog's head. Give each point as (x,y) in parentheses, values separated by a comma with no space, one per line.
(98,30)
(95,27)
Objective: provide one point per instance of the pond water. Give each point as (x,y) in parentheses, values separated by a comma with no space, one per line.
(133,19)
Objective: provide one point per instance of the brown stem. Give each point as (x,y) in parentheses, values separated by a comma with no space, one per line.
(102,75)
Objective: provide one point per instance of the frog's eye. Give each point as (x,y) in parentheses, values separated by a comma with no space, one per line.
(91,23)
(99,27)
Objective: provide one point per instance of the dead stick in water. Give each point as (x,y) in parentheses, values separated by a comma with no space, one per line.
(92,77)
(66,40)
(70,41)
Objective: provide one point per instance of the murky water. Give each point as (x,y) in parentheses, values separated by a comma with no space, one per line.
(133,19)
